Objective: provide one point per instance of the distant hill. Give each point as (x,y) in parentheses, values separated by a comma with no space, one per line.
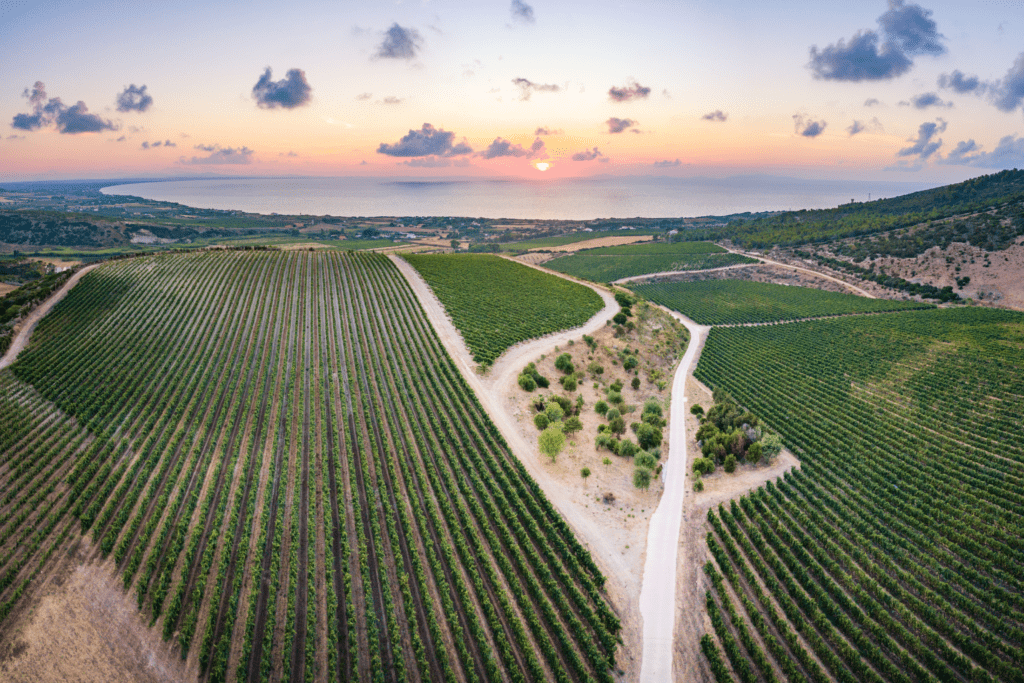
(1004,190)
(51,228)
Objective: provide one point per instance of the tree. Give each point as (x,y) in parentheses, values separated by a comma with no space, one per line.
(455,245)
(541,421)
(754,452)
(554,412)
(569,382)
(564,363)
(642,478)
(645,459)
(551,441)
(696,409)
(619,318)
(771,446)
(627,448)
(730,463)
(635,383)
(572,425)
(585,472)
(648,436)
(614,397)
(618,425)
(601,407)
(527,383)
(606,461)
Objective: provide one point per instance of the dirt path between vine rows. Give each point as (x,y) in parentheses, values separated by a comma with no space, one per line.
(28,325)
(862,292)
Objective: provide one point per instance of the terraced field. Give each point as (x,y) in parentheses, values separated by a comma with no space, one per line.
(739,302)
(895,552)
(291,476)
(608,264)
(496,303)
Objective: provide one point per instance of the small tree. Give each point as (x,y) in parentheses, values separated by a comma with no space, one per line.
(554,412)
(564,363)
(585,472)
(754,452)
(698,485)
(619,318)
(730,463)
(606,461)
(527,383)
(617,426)
(627,448)
(572,425)
(771,446)
(648,436)
(551,441)
(646,460)
(642,478)
(455,245)
(635,383)
(569,383)
(601,407)
(696,409)
(541,421)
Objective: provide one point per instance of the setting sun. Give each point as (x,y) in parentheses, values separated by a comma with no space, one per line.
(542,165)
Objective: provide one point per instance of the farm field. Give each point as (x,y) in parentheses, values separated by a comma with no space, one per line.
(608,264)
(740,302)
(291,477)
(496,303)
(573,238)
(894,552)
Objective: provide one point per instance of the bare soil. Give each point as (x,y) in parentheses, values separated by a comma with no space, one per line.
(780,275)
(614,241)
(5,288)
(80,625)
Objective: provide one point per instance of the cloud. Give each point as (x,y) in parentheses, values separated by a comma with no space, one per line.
(165,143)
(435,162)
(628,92)
(15,137)
(872,126)
(503,148)
(925,100)
(716,115)
(122,138)
(68,120)
(391,99)
(667,163)
(364,96)
(522,12)
(587,155)
(291,91)
(428,141)
(399,43)
(807,127)
(871,102)
(1008,94)
(134,98)
(289,154)
(960,82)
(221,155)
(617,125)
(1009,153)
(528,87)
(905,31)
(923,145)
(544,130)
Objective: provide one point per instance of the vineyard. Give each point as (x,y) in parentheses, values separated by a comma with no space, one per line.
(608,264)
(291,476)
(894,553)
(738,302)
(496,303)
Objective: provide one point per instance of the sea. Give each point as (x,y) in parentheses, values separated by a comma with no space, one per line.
(555,199)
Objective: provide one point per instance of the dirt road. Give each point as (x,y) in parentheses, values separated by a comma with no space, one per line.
(27,325)
(634,278)
(855,288)
(659,581)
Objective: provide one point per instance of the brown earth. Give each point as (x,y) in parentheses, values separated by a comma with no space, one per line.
(78,624)
(614,241)
(6,288)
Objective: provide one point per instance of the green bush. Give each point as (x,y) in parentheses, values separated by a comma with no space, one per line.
(601,407)
(645,459)
(564,363)
(642,478)
(635,383)
(730,463)
(554,412)
(627,449)
(527,383)
(541,421)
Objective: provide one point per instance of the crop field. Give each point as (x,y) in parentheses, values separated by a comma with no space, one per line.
(738,302)
(895,552)
(496,303)
(291,476)
(608,264)
(572,238)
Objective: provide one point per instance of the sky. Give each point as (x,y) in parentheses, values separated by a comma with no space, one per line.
(891,89)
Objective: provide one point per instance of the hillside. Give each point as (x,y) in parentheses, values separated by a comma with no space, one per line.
(863,218)
(51,228)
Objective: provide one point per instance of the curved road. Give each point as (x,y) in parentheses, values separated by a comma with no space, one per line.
(20,340)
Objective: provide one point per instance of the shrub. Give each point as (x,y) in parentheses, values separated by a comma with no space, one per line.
(645,459)
(635,383)
(601,407)
(619,318)
(703,465)
(595,368)
(617,426)
(565,403)
(614,397)
(606,461)
(730,463)
(572,425)
(585,472)
(541,421)
(527,383)
(554,412)
(696,409)
(642,478)
(627,449)
(771,446)
(569,382)
(648,436)
(612,413)
(754,452)
(616,385)
(564,363)
(630,362)
(604,441)
(698,485)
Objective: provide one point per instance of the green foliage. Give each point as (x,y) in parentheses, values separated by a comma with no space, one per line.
(527,383)
(617,425)
(551,441)
(627,449)
(604,441)
(541,421)
(645,459)
(733,302)
(648,436)
(771,446)
(554,412)
(608,264)
(568,382)
(698,485)
(496,303)
(703,466)
(730,463)
(635,383)
(572,425)
(564,363)
(601,408)
(530,378)
(642,478)
(619,318)
(614,397)
(585,472)
(696,409)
